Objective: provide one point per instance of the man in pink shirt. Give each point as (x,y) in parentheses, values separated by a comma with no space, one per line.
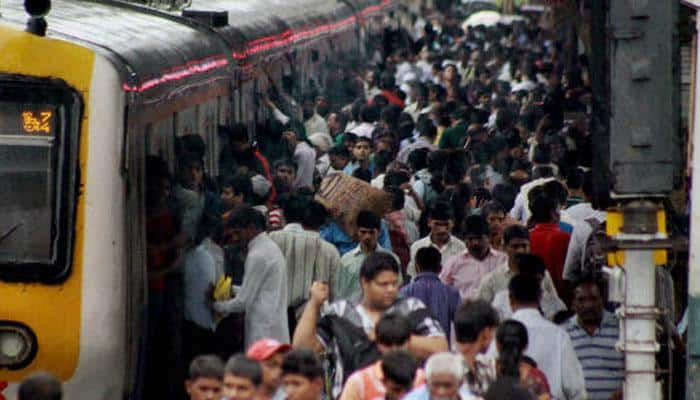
(466,269)
(392,333)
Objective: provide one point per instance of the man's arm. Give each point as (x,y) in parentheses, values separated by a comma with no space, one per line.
(572,379)
(425,346)
(305,333)
(256,271)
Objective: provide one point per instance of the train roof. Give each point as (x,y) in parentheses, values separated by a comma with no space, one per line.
(157,51)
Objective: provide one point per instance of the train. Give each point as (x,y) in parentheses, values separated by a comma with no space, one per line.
(88,90)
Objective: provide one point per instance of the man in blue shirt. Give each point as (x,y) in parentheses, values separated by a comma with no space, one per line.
(441,300)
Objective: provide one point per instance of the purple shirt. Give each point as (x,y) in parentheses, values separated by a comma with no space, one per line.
(441,300)
(465,272)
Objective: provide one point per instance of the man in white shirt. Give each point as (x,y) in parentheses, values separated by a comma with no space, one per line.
(440,222)
(304,158)
(549,345)
(312,121)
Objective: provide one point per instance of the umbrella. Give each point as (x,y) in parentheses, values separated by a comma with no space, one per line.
(485,18)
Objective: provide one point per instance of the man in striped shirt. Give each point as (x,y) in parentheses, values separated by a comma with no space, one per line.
(594,332)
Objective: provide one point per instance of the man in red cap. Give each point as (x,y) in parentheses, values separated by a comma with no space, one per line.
(270,353)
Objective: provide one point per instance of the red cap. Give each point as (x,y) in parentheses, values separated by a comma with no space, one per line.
(266,348)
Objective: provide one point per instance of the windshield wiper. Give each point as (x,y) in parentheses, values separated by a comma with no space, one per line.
(10,231)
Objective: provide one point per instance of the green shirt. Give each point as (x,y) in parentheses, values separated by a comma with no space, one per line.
(452,136)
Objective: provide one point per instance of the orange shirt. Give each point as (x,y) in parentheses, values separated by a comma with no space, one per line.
(366,384)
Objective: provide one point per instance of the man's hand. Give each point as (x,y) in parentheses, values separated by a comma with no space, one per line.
(319,293)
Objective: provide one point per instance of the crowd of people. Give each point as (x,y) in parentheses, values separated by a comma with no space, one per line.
(483,278)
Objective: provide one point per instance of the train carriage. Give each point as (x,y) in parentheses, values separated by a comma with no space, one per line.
(80,109)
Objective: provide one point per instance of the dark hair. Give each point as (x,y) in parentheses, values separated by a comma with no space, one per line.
(504,194)
(418,158)
(492,207)
(40,386)
(515,232)
(236,133)
(511,335)
(377,263)
(396,178)
(191,144)
(592,280)
(574,179)
(243,216)
(241,185)
(441,211)
(587,185)
(398,198)
(525,289)
(471,318)
(315,215)
(206,366)
(240,365)
(302,362)
(428,259)
(284,162)
(542,171)
(427,128)
(508,388)
(393,330)
(541,207)
(295,208)
(530,264)
(557,191)
(476,225)
(362,174)
(339,150)
(400,367)
(368,220)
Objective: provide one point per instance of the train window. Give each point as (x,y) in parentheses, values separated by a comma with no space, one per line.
(39,130)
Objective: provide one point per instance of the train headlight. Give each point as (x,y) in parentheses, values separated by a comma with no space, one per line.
(18,345)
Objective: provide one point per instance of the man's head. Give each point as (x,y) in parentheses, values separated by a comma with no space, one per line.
(428,259)
(205,378)
(236,191)
(295,208)
(444,373)
(524,291)
(336,123)
(362,148)
(495,214)
(368,225)
(530,265)
(242,378)
(440,222)
(339,157)
(399,369)
(476,236)
(393,332)
(516,240)
(191,172)
(302,375)
(237,137)
(245,223)
(379,277)
(588,301)
(40,386)
(285,170)
(543,208)
(475,324)
(308,106)
(269,353)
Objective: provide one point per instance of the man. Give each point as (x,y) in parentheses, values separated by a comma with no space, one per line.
(393,333)
(302,375)
(263,295)
(347,285)
(339,157)
(312,121)
(531,265)
(440,222)
(516,240)
(205,379)
(594,333)
(441,300)
(308,257)
(269,353)
(475,325)
(242,378)
(399,371)
(548,344)
(336,123)
(427,132)
(548,241)
(455,134)
(379,277)
(361,152)
(495,215)
(285,170)
(236,191)
(444,373)
(304,157)
(466,270)
(40,386)
(239,155)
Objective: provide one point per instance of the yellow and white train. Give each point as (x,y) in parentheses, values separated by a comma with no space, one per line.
(80,109)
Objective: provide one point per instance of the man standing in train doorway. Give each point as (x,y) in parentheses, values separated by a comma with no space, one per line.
(263,294)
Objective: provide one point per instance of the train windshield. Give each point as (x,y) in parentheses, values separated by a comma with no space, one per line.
(38,137)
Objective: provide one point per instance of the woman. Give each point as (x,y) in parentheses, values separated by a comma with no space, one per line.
(511,341)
